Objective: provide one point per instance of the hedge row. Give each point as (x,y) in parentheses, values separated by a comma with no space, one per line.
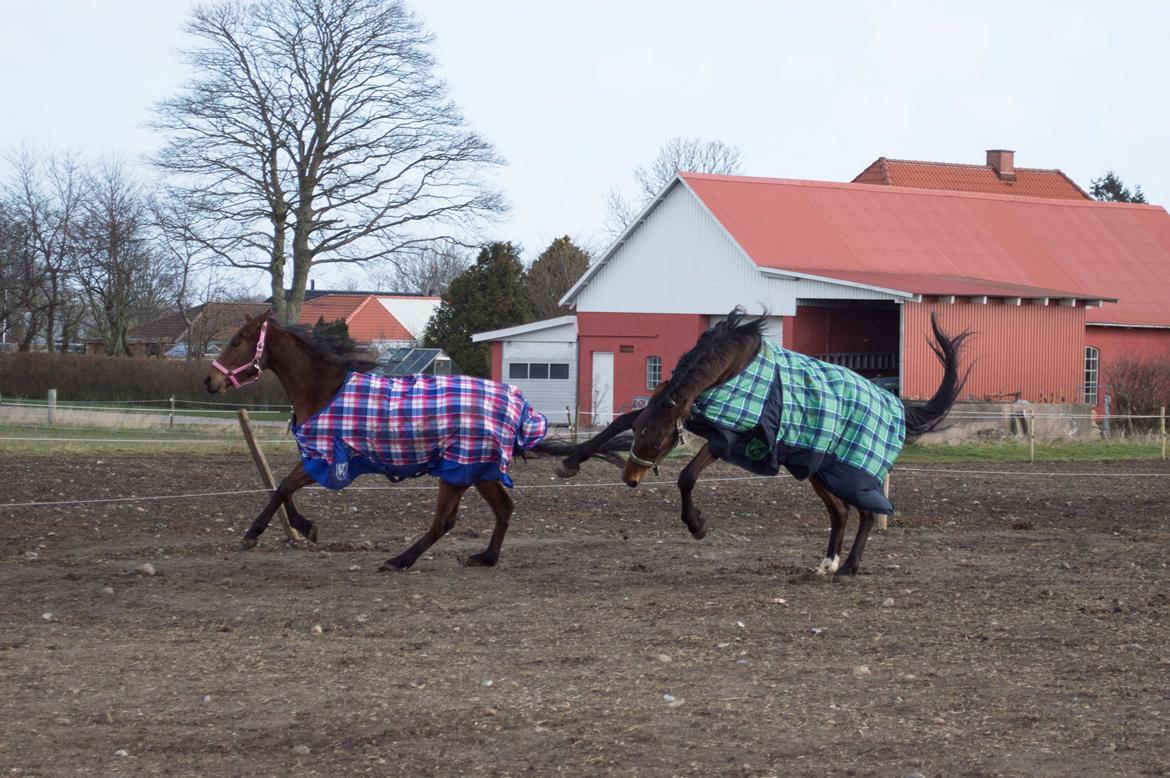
(81,378)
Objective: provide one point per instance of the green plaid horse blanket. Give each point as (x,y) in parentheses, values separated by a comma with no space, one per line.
(812,417)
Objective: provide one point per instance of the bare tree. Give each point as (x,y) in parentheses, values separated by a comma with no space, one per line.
(429,270)
(16,262)
(693,155)
(191,264)
(317,129)
(117,273)
(45,197)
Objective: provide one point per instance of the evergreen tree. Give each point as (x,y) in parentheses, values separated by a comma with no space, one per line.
(552,274)
(487,296)
(1111,189)
(334,334)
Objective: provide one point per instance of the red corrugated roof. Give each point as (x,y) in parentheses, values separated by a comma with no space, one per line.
(368,321)
(1029,182)
(934,239)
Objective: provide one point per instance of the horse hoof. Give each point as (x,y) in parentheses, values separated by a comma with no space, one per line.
(313,534)
(828,566)
(699,534)
(479,560)
(247,544)
(564,471)
(393,565)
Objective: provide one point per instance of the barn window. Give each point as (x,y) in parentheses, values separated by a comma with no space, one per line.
(1092,363)
(539,370)
(653,372)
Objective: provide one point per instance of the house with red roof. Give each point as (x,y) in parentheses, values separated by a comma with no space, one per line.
(203,330)
(1054,287)
(998,176)
(374,320)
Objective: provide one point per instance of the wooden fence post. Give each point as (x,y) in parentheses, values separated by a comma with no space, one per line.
(883,521)
(52,405)
(1031,437)
(1162,426)
(265,472)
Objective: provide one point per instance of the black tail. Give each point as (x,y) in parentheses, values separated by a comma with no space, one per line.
(562,447)
(921,419)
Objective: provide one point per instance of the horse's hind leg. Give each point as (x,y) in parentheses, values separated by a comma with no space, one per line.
(446,507)
(838,517)
(502,506)
(854,561)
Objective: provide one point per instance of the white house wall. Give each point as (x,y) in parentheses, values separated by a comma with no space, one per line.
(681,260)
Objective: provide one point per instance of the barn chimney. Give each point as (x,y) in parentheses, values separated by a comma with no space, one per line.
(1003,162)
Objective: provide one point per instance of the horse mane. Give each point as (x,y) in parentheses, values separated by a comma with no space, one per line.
(332,348)
(736,330)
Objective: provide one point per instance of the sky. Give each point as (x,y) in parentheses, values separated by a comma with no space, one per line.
(575,94)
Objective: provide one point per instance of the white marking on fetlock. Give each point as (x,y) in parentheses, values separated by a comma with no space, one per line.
(828,565)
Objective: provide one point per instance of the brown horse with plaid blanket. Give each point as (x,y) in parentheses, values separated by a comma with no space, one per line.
(490,424)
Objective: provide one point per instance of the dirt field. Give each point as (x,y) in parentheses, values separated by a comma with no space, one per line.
(1001,627)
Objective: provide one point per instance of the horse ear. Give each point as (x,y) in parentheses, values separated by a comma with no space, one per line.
(670,401)
(247,318)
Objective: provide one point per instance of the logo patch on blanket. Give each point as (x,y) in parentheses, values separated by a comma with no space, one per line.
(459,428)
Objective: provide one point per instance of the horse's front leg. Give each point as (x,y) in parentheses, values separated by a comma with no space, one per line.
(692,516)
(291,483)
(571,464)
(300,522)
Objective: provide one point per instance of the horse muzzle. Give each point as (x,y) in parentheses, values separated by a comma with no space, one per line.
(632,474)
(214,383)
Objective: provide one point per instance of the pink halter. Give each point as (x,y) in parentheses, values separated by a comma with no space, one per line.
(255,363)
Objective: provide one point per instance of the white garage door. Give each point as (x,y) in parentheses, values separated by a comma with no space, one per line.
(546,373)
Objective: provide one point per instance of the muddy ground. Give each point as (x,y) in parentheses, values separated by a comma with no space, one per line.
(1003,626)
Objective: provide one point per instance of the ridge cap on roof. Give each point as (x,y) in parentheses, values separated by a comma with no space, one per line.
(913,190)
(365,301)
(974,165)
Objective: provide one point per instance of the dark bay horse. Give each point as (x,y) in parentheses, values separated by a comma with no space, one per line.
(761,407)
(347,423)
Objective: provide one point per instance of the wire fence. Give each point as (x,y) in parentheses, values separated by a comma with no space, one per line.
(178,497)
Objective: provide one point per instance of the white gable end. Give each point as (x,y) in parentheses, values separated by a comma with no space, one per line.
(680,259)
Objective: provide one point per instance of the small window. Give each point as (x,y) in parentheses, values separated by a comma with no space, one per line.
(558,370)
(538,370)
(518,370)
(1092,363)
(626,350)
(653,372)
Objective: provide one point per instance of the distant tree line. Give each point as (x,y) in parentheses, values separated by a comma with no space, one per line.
(87,250)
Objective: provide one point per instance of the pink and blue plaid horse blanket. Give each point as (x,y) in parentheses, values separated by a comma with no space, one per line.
(459,428)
